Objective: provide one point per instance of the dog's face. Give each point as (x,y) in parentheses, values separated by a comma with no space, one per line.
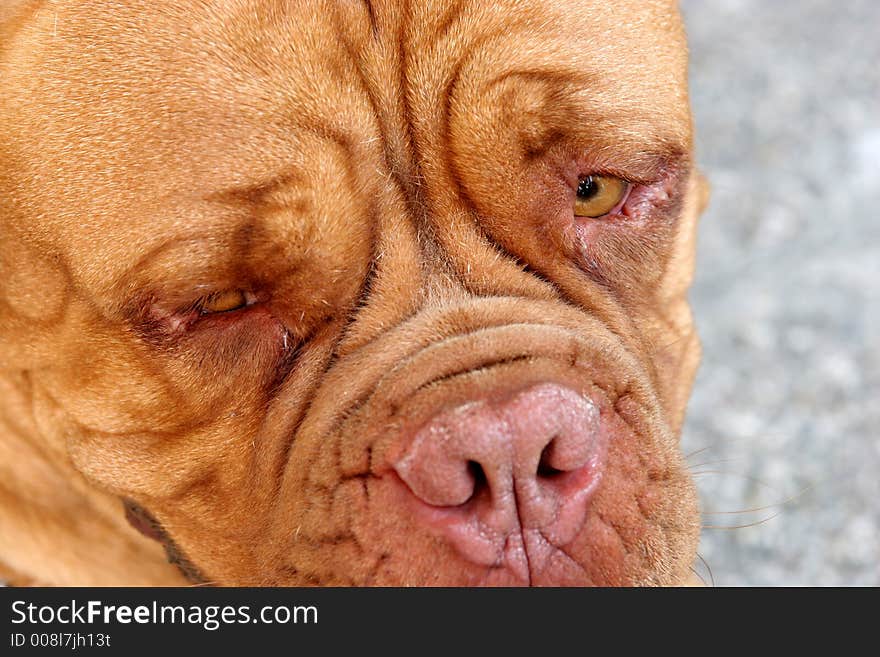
(361,292)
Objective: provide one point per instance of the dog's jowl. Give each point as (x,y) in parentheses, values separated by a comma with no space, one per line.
(349,293)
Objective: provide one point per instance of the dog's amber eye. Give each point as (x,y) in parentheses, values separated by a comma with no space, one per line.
(599,195)
(222,302)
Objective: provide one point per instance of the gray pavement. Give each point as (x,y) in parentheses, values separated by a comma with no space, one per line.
(786,407)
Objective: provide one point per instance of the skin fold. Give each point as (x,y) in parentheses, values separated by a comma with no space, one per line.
(255,253)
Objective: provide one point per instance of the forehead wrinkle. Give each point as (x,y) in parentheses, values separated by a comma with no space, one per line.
(565,107)
(263,193)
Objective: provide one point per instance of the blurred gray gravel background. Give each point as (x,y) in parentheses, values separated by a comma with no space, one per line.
(786,98)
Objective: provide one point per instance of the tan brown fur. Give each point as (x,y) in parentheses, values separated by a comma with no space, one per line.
(375,172)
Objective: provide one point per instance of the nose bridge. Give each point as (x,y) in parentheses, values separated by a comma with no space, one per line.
(417,189)
(405,86)
(417,160)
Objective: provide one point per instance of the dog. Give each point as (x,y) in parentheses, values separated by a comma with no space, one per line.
(345,292)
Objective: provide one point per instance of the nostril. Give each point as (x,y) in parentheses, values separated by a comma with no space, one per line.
(478,476)
(545,469)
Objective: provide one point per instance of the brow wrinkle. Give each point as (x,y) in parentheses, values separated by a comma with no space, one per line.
(261,193)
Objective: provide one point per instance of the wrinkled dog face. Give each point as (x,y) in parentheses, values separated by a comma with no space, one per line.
(362,293)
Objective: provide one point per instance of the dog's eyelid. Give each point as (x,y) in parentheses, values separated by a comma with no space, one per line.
(646,166)
(629,177)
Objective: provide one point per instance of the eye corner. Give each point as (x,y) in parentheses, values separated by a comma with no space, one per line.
(164,317)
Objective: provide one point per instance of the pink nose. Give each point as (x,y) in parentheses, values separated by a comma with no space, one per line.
(529,460)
